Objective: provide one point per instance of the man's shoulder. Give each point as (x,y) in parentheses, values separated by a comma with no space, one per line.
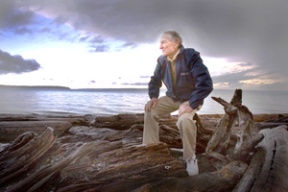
(189,51)
(190,55)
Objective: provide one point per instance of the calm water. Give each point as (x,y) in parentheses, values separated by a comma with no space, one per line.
(115,101)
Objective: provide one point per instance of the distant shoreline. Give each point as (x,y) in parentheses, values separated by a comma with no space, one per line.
(104,88)
(33,87)
(67,88)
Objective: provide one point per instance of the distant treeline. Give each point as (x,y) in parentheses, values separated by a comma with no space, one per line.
(32,87)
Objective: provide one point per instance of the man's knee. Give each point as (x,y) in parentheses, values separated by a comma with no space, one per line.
(185,117)
(151,113)
(185,120)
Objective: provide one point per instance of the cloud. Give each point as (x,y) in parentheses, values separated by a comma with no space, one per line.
(99,48)
(209,25)
(249,78)
(253,32)
(11,15)
(16,64)
(135,84)
(249,30)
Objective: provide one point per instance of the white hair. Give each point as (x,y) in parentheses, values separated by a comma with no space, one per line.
(173,36)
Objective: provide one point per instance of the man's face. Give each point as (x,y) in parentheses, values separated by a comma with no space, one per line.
(168,47)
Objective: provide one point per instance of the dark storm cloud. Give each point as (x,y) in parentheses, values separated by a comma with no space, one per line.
(215,26)
(247,31)
(23,31)
(97,40)
(16,64)
(99,43)
(11,15)
(17,18)
(254,31)
(233,78)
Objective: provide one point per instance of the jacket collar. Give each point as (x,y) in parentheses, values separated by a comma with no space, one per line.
(176,55)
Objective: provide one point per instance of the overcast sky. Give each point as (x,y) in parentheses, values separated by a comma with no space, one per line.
(115,43)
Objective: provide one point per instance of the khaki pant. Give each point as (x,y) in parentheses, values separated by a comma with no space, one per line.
(185,124)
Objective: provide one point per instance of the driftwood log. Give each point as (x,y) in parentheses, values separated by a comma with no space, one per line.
(236,114)
(12,125)
(236,152)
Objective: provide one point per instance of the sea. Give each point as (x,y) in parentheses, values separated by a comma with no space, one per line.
(58,100)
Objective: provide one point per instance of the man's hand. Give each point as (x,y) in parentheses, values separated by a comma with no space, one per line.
(150,104)
(184,108)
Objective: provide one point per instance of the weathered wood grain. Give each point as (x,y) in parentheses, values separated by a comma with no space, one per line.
(106,153)
(237,117)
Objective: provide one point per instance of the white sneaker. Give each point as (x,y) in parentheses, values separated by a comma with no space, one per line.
(192,166)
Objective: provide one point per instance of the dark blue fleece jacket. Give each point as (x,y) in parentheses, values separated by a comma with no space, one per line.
(193,83)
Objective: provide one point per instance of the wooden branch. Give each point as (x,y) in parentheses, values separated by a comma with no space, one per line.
(12,129)
(248,179)
(234,113)
(268,168)
(209,182)
(273,174)
(20,159)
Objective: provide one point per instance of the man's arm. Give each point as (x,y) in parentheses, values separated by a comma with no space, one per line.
(155,83)
(154,88)
(203,82)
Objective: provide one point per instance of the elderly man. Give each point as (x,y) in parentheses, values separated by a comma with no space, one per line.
(188,83)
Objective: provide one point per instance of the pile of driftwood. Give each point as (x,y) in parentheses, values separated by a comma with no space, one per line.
(236,151)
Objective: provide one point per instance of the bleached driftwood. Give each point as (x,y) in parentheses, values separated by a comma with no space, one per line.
(11,126)
(236,115)
(102,166)
(97,158)
(268,168)
(23,154)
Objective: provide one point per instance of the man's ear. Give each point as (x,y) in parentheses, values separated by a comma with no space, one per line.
(176,43)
